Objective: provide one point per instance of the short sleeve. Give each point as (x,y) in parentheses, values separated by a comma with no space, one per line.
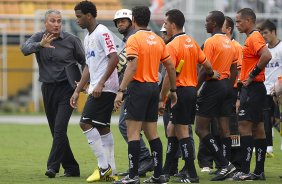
(201,54)
(208,48)
(172,53)
(257,43)
(132,47)
(107,41)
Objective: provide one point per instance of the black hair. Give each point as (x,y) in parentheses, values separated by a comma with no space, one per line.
(218,18)
(247,13)
(229,23)
(141,15)
(267,24)
(86,7)
(176,16)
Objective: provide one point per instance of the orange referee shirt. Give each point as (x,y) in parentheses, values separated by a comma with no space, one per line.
(253,44)
(150,50)
(183,47)
(239,50)
(220,51)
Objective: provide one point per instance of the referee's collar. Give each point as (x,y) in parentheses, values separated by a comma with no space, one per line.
(174,36)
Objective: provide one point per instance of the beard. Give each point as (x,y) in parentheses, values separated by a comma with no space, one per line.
(125,30)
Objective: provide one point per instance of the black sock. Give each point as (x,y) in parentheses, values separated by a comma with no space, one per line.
(172,147)
(247,145)
(157,153)
(226,147)
(133,157)
(213,147)
(187,154)
(260,145)
(174,167)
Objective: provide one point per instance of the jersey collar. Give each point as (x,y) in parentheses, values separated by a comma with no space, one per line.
(174,36)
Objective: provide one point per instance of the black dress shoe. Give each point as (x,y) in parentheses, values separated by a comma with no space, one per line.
(51,173)
(145,166)
(71,175)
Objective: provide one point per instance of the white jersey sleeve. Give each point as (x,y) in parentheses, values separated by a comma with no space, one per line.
(107,40)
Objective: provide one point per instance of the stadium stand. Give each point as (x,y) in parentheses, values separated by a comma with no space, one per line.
(20,17)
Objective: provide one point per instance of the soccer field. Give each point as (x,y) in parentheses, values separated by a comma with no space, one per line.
(24,150)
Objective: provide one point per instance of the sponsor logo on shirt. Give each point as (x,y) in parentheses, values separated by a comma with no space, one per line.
(188,43)
(272,65)
(90,53)
(151,41)
(109,42)
(226,44)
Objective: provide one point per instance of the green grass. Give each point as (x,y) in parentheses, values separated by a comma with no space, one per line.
(24,150)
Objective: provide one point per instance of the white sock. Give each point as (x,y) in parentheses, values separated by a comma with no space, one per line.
(108,144)
(95,143)
(269,149)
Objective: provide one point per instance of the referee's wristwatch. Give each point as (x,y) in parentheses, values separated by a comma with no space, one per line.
(172,90)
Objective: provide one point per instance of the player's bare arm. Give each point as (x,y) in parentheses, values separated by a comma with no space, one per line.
(83,81)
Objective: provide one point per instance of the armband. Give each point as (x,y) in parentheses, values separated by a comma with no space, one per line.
(255,72)
(172,90)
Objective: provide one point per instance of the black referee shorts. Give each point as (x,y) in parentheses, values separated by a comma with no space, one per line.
(252,100)
(184,111)
(142,101)
(215,99)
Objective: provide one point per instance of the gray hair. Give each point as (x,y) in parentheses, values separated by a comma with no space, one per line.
(48,12)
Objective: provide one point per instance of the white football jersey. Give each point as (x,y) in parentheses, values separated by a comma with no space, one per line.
(274,68)
(98,45)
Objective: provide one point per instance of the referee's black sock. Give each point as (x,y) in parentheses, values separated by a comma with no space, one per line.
(133,157)
(213,147)
(172,147)
(226,147)
(247,145)
(157,153)
(260,145)
(188,155)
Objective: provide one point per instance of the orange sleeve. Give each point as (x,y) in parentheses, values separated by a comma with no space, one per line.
(202,56)
(236,55)
(132,47)
(208,48)
(257,43)
(172,53)
(165,55)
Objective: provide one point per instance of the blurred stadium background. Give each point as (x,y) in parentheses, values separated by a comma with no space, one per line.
(19,86)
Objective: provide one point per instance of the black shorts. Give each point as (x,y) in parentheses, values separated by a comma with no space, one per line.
(98,111)
(185,109)
(252,102)
(215,99)
(142,101)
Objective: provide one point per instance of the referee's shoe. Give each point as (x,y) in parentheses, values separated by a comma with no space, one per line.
(224,172)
